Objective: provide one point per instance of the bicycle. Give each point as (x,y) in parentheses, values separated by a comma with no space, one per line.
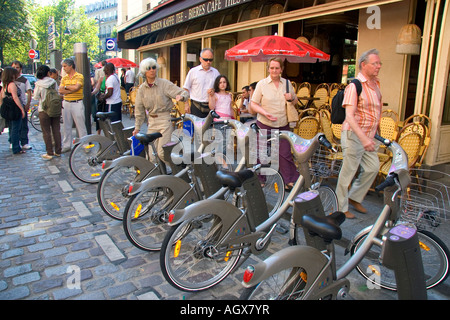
(308,272)
(33,117)
(89,152)
(208,238)
(146,214)
(113,188)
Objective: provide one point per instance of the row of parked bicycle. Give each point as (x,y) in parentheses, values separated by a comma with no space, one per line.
(208,214)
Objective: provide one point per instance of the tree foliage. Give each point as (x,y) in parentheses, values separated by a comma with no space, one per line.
(28,20)
(14,29)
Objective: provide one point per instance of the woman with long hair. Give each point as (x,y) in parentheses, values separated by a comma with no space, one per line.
(9,75)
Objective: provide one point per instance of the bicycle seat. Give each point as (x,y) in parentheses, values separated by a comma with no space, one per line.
(146,138)
(326,227)
(233,179)
(104,115)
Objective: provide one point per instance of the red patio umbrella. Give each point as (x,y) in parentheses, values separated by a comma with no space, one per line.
(118,63)
(263,48)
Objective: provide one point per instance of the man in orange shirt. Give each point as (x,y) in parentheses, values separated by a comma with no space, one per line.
(362,119)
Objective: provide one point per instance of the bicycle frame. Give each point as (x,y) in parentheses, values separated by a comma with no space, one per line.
(321,267)
(236,227)
(186,192)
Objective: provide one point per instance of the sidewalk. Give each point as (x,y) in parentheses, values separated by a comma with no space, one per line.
(56,243)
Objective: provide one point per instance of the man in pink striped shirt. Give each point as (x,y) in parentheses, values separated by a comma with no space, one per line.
(362,119)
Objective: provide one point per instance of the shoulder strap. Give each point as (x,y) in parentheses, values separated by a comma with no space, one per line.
(358,86)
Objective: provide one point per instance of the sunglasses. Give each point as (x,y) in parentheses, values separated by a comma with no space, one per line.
(207,60)
(152,67)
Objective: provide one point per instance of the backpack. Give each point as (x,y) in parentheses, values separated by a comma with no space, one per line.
(337,111)
(52,103)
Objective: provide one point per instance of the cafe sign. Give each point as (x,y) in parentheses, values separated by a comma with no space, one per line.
(200,10)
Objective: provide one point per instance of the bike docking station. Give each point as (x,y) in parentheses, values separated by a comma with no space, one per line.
(308,202)
(401,253)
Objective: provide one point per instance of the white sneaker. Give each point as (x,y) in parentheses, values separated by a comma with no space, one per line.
(26,147)
(47,157)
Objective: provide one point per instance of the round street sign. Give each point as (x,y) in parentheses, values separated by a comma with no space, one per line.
(32,53)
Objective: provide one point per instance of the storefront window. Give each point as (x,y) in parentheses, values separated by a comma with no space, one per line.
(220,45)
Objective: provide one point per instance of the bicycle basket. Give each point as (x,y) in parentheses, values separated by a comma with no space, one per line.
(425,203)
(324,163)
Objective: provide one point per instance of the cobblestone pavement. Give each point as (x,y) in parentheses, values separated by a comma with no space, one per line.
(53,232)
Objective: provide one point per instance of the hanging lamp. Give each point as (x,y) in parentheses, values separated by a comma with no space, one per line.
(409,40)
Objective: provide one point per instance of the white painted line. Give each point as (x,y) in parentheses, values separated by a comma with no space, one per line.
(148,296)
(65,186)
(83,211)
(112,252)
(53,169)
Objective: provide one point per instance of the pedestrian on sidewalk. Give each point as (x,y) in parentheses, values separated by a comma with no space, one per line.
(10,89)
(25,87)
(73,107)
(50,125)
(362,119)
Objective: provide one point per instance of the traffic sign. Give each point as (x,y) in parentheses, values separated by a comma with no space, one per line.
(110,44)
(33,54)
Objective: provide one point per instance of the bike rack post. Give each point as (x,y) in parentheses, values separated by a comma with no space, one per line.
(309,203)
(401,253)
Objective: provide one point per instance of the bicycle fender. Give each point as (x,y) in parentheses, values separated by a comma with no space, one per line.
(308,258)
(183,195)
(142,164)
(102,140)
(225,210)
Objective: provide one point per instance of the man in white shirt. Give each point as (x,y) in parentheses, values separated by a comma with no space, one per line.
(25,98)
(129,79)
(199,81)
(112,94)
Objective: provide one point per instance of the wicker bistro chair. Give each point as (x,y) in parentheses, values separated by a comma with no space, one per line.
(322,95)
(389,124)
(132,100)
(125,99)
(304,90)
(421,129)
(334,88)
(308,125)
(412,144)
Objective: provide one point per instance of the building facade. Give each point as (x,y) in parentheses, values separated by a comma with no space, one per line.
(105,13)
(175,32)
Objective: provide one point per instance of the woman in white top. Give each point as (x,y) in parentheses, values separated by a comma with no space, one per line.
(112,94)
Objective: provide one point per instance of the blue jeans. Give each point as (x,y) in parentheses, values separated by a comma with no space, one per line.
(14,135)
(23,135)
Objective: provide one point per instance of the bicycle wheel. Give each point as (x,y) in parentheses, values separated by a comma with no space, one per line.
(145,218)
(83,161)
(435,257)
(34,120)
(328,198)
(190,258)
(287,284)
(112,190)
(273,188)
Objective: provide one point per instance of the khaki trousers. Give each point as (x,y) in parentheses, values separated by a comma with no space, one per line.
(355,156)
(160,124)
